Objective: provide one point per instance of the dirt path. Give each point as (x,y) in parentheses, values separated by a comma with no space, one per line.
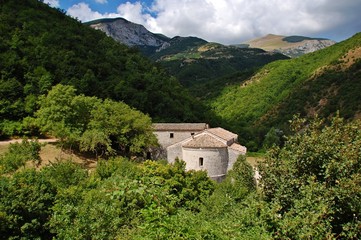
(48,140)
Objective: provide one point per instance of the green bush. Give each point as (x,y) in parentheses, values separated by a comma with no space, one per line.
(313,182)
(26,201)
(18,154)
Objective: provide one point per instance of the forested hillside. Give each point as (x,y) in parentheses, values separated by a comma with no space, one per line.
(41,47)
(205,62)
(321,83)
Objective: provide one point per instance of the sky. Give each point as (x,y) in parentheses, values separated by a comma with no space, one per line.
(227,21)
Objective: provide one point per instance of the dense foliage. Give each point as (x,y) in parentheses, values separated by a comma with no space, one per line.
(314,182)
(121,199)
(310,189)
(41,47)
(18,154)
(201,63)
(104,127)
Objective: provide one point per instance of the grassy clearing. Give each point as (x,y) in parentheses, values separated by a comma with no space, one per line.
(254,158)
(3,148)
(51,153)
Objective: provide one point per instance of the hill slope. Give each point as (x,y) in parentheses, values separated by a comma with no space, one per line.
(321,82)
(203,63)
(41,47)
(292,46)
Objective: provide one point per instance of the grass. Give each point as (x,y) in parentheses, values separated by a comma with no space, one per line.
(51,153)
(3,148)
(254,158)
(256,154)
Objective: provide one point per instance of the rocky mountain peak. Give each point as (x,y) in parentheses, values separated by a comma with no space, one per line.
(129,33)
(292,46)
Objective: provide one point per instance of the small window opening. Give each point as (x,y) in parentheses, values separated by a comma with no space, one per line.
(201,162)
(171,135)
(192,134)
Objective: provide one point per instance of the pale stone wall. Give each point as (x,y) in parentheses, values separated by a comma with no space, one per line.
(215,160)
(165,140)
(233,155)
(173,152)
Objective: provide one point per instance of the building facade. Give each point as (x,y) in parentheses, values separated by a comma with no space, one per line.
(200,147)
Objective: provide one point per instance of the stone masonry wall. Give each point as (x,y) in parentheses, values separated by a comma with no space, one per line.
(215,160)
(165,139)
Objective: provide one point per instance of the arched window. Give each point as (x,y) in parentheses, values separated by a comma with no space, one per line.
(201,162)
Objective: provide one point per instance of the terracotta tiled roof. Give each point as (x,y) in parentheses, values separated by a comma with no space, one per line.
(204,141)
(222,133)
(238,147)
(197,127)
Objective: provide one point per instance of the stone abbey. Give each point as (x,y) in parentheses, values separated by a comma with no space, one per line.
(200,147)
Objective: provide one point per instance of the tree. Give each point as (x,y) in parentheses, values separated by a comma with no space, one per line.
(56,112)
(114,126)
(273,137)
(103,127)
(314,180)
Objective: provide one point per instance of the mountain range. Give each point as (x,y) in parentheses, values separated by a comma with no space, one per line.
(155,45)
(292,46)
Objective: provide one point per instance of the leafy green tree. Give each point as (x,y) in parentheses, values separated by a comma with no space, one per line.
(124,200)
(114,126)
(314,180)
(56,113)
(241,176)
(65,174)
(273,137)
(103,127)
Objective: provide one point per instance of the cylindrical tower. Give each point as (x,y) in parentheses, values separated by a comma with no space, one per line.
(206,153)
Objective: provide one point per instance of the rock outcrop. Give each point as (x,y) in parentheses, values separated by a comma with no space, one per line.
(129,33)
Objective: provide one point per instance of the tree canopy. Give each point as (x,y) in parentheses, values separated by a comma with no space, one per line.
(313,182)
(104,127)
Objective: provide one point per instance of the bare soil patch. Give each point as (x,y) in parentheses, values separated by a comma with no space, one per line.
(52,153)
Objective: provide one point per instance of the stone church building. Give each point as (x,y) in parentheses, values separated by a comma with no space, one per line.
(200,147)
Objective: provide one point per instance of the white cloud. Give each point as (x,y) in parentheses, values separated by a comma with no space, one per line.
(84,13)
(52,3)
(234,21)
(133,12)
(101,1)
